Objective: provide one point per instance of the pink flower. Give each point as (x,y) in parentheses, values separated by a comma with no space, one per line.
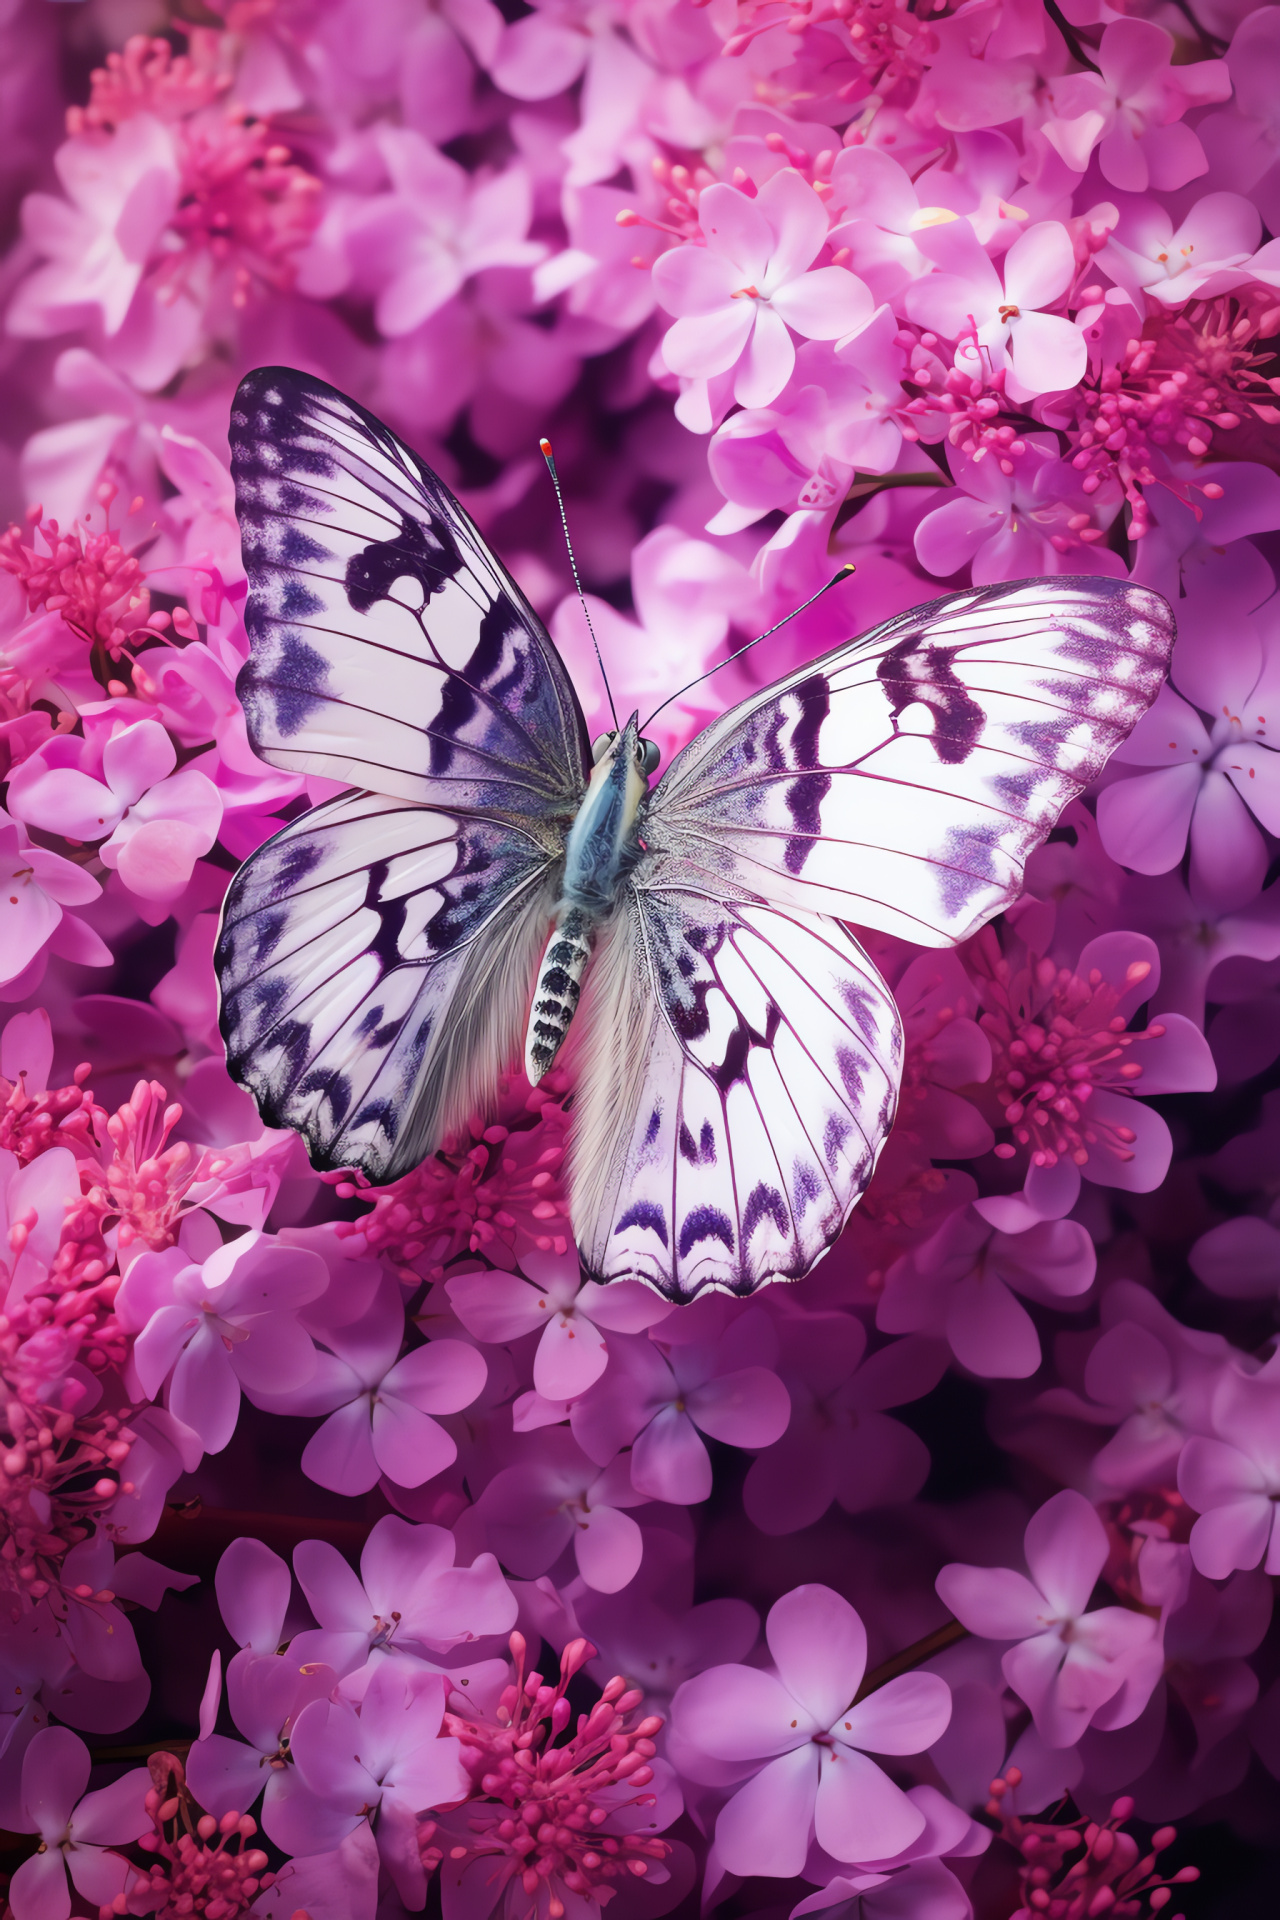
(211,1329)
(554,1497)
(833,418)
(840,1444)
(1132,109)
(1208,779)
(416,245)
(658,1396)
(805,1743)
(1014,517)
(36,887)
(76,1828)
(1073,1668)
(1003,324)
(960,1285)
(387,1758)
(926,1890)
(1232,1476)
(737,297)
(265,1693)
(380,1405)
(409,1598)
(572,1351)
(1207,254)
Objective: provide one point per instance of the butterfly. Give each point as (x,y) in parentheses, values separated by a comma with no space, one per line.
(492,886)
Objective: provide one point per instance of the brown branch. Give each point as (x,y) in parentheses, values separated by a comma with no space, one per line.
(912,1656)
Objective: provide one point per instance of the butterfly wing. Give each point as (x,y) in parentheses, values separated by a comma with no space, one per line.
(730,1121)
(389,648)
(376,960)
(903,780)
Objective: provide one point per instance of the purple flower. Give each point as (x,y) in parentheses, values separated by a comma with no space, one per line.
(1013,517)
(556,1496)
(658,1396)
(76,1828)
(212,1329)
(387,1758)
(960,1284)
(1073,1668)
(36,886)
(409,1597)
(1206,255)
(380,1405)
(738,296)
(1231,1477)
(572,1352)
(1003,324)
(840,1444)
(1132,109)
(804,1744)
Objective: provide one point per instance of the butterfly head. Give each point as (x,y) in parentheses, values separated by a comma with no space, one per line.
(628,745)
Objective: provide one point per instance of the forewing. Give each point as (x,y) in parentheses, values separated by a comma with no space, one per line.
(376,961)
(389,648)
(737,1071)
(903,780)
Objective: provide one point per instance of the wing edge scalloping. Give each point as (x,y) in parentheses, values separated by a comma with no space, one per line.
(418,477)
(470,1071)
(608,980)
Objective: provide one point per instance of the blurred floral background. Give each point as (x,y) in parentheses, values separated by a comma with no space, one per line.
(355,1558)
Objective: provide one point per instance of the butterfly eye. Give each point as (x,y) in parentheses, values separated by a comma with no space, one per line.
(600,746)
(650,756)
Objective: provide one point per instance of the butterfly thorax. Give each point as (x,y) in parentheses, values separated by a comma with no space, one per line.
(601,849)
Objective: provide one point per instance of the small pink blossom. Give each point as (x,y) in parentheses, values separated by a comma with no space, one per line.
(1016,516)
(1206,255)
(556,1496)
(739,295)
(1003,323)
(36,887)
(1073,1668)
(806,1745)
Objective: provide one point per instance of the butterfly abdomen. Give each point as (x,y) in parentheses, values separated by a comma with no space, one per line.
(555,998)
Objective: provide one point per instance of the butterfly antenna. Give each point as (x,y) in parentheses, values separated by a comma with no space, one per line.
(834,581)
(548,456)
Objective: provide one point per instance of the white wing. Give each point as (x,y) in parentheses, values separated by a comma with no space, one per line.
(389,648)
(376,961)
(737,1071)
(903,780)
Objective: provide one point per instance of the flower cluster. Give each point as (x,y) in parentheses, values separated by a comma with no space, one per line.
(946,293)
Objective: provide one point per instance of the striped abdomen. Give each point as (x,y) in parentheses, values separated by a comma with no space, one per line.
(555,998)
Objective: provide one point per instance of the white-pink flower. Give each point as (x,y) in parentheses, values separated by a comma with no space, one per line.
(738,297)
(76,1828)
(1132,109)
(1208,254)
(35,888)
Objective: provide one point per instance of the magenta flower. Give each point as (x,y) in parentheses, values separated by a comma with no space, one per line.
(209,1330)
(840,1444)
(1212,780)
(1003,324)
(409,1597)
(806,1744)
(1073,1668)
(379,1404)
(77,1829)
(1132,109)
(572,1352)
(265,1693)
(738,297)
(960,1286)
(1231,1477)
(658,1397)
(556,1496)
(923,1890)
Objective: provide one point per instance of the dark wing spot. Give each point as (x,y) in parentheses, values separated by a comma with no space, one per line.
(644,1213)
(764,1203)
(425,553)
(705,1223)
(919,671)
